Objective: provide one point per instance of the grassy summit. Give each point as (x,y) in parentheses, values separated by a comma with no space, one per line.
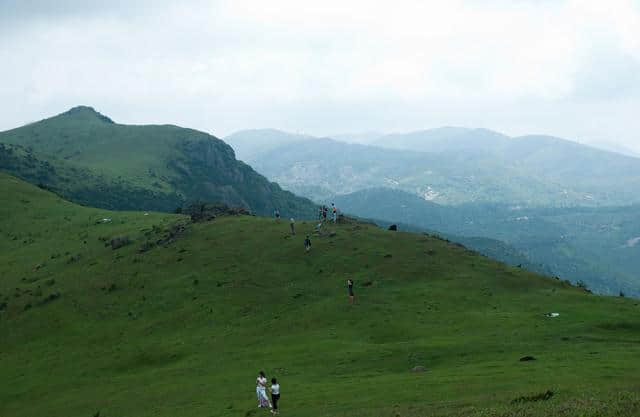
(89,159)
(182,327)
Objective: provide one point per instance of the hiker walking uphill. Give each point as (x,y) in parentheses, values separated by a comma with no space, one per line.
(350,286)
(335,212)
(276,214)
(307,244)
(292,224)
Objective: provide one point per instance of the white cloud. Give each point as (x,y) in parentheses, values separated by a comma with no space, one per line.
(321,67)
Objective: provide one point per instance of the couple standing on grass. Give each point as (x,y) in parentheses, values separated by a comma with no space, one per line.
(261,392)
(322,213)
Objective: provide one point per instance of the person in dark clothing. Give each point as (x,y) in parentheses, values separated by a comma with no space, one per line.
(351,296)
(307,244)
(276,213)
(275,395)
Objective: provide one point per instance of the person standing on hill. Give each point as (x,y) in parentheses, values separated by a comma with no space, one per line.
(276,214)
(292,223)
(275,395)
(335,213)
(261,391)
(350,286)
(307,244)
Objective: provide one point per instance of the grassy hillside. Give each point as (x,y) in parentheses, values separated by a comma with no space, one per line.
(83,184)
(492,248)
(137,167)
(593,245)
(182,327)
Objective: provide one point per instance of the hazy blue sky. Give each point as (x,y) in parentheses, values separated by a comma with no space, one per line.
(567,68)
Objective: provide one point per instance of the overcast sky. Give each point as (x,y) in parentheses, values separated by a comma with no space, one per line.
(566,68)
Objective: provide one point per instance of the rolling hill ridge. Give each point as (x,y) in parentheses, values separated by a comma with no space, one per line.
(86,157)
(585,244)
(450,166)
(568,209)
(177,319)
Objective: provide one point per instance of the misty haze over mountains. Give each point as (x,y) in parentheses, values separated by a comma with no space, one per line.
(478,252)
(565,208)
(540,202)
(447,165)
(372,137)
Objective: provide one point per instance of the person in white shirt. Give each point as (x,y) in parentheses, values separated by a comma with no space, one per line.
(261,391)
(275,395)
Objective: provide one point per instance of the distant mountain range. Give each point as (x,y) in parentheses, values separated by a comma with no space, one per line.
(611,147)
(549,204)
(249,144)
(448,166)
(376,138)
(86,157)
(593,244)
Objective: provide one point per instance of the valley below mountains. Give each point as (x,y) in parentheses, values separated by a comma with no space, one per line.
(129,287)
(544,203)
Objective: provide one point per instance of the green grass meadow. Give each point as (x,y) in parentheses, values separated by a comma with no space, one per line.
(183,328)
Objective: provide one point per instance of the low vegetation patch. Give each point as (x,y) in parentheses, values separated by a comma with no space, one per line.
(543,396)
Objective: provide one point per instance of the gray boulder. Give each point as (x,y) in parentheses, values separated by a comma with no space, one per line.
(118,242)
